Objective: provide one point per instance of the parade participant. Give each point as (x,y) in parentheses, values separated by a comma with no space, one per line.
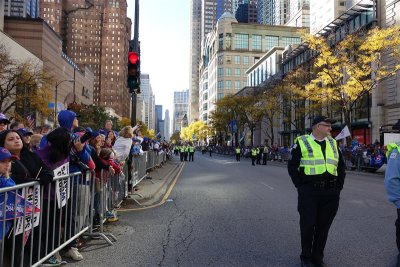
(317,170)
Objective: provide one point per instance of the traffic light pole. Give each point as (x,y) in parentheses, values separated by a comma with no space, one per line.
(134,45)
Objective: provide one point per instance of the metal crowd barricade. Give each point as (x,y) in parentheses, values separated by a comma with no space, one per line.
(38,221)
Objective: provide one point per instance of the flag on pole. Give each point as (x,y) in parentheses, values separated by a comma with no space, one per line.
(31,120)
(343,134)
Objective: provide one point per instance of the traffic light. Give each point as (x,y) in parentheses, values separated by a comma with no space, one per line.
(133,73)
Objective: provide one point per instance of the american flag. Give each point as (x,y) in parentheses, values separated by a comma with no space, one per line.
(31,120)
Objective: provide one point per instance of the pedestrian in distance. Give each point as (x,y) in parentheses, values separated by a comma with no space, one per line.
(210,150)
(392,185)
(317,170)
(237,153)
(182,152)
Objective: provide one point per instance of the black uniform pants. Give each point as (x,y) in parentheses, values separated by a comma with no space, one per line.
(265,158)
(253,159)
(237,156)
(398,230)
(181,155)
(317,211)
(191,156)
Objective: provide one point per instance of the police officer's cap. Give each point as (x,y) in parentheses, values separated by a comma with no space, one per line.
(320,119)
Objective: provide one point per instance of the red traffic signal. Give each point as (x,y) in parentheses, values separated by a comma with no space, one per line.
(133,58)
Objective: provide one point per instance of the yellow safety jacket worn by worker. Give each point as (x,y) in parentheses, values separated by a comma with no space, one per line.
(312,158)
(182,149)
(237,150)
(186,149)
(392,146)
(191,149)
(254,152)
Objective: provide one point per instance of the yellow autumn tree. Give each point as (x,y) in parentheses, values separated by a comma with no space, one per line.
(227,109)
(197,130)
(347,72)
(25,88)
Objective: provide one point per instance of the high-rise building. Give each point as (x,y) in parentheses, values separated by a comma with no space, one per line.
(322,12)
(181,103)
(272,12)
(148,99)
(96,34)
(158,119)
(246,11)
(299,13)
(167,125)
(204,15)
(195,46)
(21,8)
(230,50)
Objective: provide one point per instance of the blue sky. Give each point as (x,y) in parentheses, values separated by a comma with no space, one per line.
(165,38)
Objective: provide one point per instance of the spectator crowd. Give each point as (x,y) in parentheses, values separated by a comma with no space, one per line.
(28,155)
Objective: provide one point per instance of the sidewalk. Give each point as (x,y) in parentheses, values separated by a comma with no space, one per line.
(284,164)
(152,188)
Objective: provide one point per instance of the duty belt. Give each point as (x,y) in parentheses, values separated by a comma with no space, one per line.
(324,184)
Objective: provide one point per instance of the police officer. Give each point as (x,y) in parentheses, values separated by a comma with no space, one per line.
(254,152)
(191,152)
(392,185)
(182,151)
(237,153)
(317,170)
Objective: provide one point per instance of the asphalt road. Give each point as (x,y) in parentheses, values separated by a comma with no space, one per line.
(225,213)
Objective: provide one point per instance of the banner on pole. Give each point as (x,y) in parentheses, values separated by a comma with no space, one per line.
(343,134)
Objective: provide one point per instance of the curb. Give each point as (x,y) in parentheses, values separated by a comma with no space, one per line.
(169,177)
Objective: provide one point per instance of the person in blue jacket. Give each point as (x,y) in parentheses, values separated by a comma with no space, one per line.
(392,185)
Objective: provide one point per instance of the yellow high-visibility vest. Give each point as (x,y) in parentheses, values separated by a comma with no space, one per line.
(312,158)
(237,150)
(390,147)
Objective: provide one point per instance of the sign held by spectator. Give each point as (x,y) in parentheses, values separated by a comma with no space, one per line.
(62,185)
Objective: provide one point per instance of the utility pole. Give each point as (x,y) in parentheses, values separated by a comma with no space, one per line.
(134,47)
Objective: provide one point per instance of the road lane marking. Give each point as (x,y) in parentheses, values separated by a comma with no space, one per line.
(164,199)
(270,187)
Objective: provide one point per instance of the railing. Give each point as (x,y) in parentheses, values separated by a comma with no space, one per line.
(38,221)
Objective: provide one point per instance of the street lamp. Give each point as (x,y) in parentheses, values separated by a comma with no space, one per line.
(55,98)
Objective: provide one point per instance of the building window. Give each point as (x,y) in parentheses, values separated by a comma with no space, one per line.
(245,60)
(237,85)
(290,40)
(228,85)
(220,72)
(237,72)
(271,41)
(228,72)
(221,41)
(237,60)
(241,41)
(256,42)
(220,85)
